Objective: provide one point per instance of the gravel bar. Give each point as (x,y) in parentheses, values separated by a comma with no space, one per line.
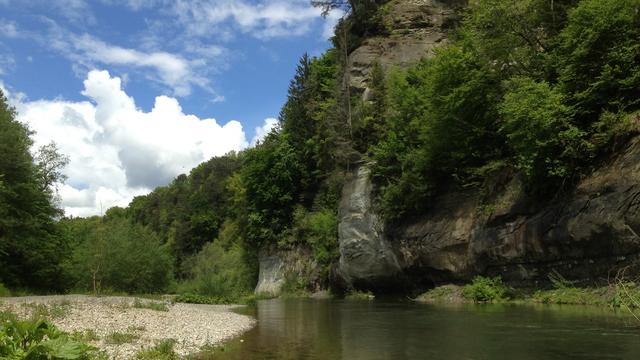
(192,326)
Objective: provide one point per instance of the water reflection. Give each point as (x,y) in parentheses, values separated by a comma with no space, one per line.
(314,329)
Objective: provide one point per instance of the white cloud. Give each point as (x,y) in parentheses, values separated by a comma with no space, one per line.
(264,130)
(172,70)
(118,151)
(265,19)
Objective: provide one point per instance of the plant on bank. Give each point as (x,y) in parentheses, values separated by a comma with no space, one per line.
(39,340)
(485,289)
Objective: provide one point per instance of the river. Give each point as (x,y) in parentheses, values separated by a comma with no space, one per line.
(343,329)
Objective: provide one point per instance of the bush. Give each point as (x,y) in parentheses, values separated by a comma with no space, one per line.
(198,299)
(39,340)
(537,125)
(483,289)
(117,255)
(318,230)
(4,291)
(220,270)
(600,56)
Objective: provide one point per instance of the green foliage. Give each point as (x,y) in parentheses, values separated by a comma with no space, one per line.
(539,86)
(599,57)
(220,270)
(118,255)
(271,176)
(31,247)
(537,125)
(318,230)
(190,211)
(164,350)
(483,289)
(199,299)
(38,340)
(440,125)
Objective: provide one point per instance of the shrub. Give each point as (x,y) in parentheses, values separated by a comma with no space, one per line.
(198,299)
(219,272)
(483,289)
(117,255)
(537,125)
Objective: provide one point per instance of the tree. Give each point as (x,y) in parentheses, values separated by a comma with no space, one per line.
(49,165)
(538,126)
(328,5)
(599,57)
(32,248)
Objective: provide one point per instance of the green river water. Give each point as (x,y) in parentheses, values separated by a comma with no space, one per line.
(334,329)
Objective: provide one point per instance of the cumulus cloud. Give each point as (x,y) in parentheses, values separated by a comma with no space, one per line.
(264,130)
(118,151)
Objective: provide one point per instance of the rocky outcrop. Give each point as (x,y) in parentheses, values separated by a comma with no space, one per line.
(586,236)
(293,270)
(365,254)
(414,29)
(271,277)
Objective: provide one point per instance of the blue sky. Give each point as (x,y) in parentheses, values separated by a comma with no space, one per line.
(114,82)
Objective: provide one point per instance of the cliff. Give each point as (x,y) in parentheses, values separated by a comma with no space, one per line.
(586,236)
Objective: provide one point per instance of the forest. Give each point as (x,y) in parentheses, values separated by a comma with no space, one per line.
(545,89)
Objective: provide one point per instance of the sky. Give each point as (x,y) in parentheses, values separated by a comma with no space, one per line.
(136,92)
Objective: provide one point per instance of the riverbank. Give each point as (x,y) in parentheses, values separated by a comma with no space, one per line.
(124,326)
(625,295)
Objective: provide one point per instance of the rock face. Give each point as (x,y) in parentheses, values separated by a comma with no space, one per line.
(365,255)
(415,29)
(272,275)
(588,235)
(295,268)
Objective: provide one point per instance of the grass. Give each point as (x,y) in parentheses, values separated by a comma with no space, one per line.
(619,294)
(164,350)
(86,335)
(151,305)
(118,338)
(51,311)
